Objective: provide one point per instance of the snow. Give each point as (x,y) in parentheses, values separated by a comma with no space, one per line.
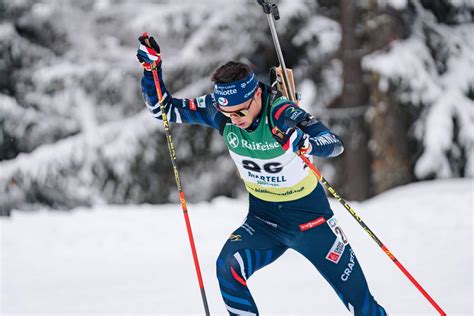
(440,87)
(396,4)
(328,33)
(308,93)
(135,260)
(81,130)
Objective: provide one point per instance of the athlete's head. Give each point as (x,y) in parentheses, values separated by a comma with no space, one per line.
(237,93)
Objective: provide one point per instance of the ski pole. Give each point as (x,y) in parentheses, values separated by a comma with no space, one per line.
(271,11)
(370,233)
(172,152)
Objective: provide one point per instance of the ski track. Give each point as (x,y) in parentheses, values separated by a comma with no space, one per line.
(135,260)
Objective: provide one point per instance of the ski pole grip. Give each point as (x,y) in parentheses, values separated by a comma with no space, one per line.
(265,6)
(146,38)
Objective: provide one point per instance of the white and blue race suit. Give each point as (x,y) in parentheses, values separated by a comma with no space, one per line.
(288,209)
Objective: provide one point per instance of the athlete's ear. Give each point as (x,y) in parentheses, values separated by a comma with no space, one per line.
(258,93)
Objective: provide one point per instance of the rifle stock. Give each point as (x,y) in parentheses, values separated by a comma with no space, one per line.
(276,75)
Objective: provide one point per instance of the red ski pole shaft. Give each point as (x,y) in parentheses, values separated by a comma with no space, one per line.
(371,234)
(182,199)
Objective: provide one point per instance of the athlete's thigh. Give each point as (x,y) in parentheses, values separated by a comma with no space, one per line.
(252,244)
(328,249)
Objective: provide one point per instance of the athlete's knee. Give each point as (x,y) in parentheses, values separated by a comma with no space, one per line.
(231,267)
(366,305)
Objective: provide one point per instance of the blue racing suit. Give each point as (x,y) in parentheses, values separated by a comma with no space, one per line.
(287,206)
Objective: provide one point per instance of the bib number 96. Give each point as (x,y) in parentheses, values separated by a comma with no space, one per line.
(271,167)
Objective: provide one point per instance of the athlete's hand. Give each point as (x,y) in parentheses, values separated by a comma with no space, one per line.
(296,140)
(148,52)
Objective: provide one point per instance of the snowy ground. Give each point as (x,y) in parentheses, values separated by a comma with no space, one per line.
(135,260)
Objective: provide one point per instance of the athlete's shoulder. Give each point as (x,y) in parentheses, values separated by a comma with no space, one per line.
(285,113)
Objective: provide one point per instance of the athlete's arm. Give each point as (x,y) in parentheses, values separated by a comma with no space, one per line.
(323,142)
(200,111)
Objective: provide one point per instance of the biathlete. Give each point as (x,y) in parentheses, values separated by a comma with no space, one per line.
(287,207)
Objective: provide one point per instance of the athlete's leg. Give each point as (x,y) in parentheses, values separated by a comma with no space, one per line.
(326,246)
(249,248)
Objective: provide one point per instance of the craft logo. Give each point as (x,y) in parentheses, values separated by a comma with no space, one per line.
(347,272)
(223,101)
(233,140)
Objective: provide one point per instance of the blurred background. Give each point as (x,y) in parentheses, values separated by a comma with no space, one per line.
(394,78)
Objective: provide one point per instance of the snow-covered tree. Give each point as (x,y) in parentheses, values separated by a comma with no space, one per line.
(74,131)
(428,80)
(73,125)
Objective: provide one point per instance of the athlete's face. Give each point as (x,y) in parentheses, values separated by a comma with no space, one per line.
(242,115)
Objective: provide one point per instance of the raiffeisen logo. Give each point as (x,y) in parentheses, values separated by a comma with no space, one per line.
(233,140)
(259,146)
